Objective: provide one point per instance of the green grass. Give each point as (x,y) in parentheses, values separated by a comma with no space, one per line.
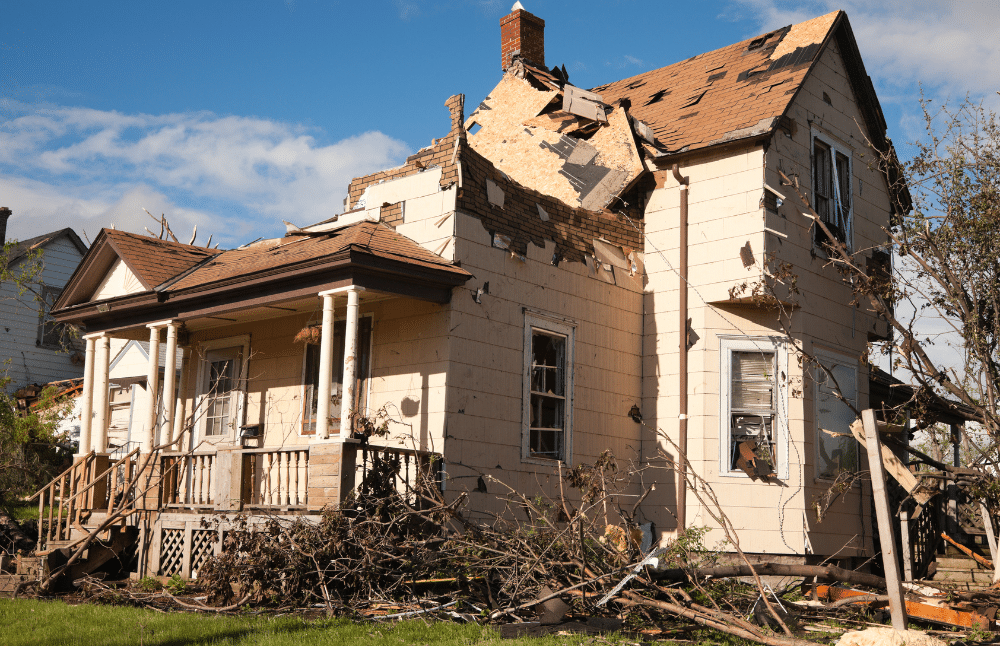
(27,511)
(43,623)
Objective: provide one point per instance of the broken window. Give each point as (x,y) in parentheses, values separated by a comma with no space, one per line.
(50,333)
(548,388)
(832,191)
(836,448)
(311,376)
(752,407)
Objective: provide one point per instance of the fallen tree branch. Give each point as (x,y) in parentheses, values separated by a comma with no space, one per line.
(779,569)
(697,617)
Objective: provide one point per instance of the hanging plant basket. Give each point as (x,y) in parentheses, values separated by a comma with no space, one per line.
(309,334)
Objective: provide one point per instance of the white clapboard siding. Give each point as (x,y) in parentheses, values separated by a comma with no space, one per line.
(29,363)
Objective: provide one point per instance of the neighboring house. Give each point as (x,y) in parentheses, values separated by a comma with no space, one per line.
(39,350)
(509,298)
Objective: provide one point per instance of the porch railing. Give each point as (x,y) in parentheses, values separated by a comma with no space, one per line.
(276,477)
(383,469)
(187,479)
(93,482)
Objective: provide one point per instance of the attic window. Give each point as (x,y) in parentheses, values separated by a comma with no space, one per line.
(656,98)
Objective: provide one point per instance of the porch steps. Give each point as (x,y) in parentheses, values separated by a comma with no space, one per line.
(962,572)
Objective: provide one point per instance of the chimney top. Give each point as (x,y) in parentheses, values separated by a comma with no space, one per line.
(522,34)
(5,213)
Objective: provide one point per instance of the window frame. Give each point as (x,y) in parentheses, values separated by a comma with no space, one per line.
(727,346)
(555,326)
(203,366)
(829,358)
(367,381)
(45,320)
(837,150)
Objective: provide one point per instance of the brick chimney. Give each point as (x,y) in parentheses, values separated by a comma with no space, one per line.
(522,33)
(4,214)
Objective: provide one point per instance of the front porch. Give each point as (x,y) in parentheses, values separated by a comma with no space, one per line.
(174,507)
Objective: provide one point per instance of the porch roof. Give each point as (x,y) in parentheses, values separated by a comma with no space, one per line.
(283,270)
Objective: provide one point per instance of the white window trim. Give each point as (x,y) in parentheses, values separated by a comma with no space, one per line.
(835,146)
(368,381)
(777,345)
(243,342)
(828,357)
(567,328)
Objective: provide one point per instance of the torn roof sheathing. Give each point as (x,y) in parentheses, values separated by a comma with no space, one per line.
(732,93)
(537,152)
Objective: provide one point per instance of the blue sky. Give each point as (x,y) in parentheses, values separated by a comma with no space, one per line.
(236,115)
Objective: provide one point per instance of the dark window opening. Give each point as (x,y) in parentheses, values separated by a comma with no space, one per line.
(547,375)
(50,333)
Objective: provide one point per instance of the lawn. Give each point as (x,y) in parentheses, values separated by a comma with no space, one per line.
(44,623)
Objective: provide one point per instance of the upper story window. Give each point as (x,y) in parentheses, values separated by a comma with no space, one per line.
(50,333)
(832,195)
(311,376)
(548,388)
(753,410)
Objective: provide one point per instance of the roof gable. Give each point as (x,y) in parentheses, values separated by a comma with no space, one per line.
(119,281)
(23,247)
(120,263)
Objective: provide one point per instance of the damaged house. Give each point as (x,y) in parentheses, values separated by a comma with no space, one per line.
(558,275)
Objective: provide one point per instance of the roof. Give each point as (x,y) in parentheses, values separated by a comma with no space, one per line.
(368,237)
(724,95)
(22,247)
(155,261)
(191,282)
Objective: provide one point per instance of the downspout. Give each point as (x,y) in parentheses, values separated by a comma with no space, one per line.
(682,363)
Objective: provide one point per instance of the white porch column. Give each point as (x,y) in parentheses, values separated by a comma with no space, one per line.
(169,383)
(350,363)
(87,404)
(152,386)
(181,398)
(99,433)
(325,368)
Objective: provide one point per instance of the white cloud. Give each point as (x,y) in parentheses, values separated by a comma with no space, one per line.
(949,46)
(67,166)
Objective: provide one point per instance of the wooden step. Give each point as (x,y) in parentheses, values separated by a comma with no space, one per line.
(958,563)
(977,577)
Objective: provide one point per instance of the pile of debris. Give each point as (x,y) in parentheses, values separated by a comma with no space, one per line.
(542,566)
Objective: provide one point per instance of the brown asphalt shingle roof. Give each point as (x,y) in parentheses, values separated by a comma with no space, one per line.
(369,237)
(727,94)
(155,261)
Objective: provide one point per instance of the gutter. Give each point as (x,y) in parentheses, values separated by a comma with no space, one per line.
(682,367)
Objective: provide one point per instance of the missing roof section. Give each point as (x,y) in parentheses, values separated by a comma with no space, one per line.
(532,146)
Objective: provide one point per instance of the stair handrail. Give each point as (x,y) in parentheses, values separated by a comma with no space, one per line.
(75,464)
(103,473)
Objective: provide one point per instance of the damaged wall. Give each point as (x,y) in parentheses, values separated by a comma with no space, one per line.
(826,105)
(487,361)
